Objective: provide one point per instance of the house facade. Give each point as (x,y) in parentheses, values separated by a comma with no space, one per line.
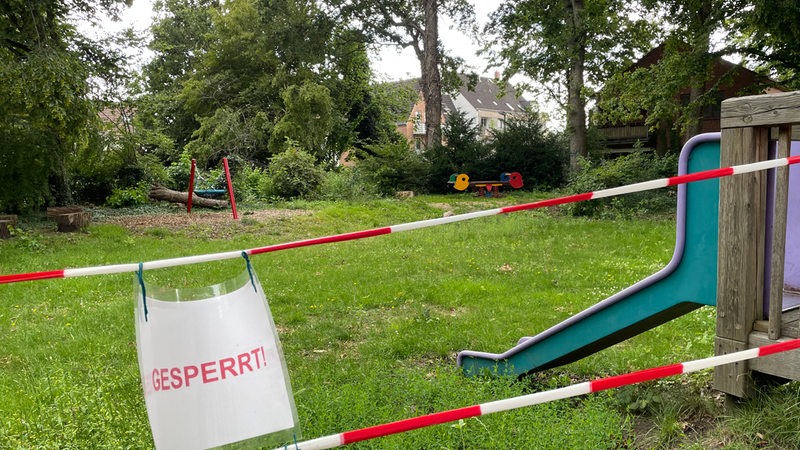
(728,80)
(485,104)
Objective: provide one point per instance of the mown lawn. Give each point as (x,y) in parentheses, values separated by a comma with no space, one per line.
(370,328)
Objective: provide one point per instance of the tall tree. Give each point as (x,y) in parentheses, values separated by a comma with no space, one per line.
(179,41)
(671,93)
(265,72)
(46,112)
(768,33)
(569,47)
(412,24)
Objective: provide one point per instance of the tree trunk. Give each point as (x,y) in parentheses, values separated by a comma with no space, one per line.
(701,42)
(163,194)
(431,78)
(576,104)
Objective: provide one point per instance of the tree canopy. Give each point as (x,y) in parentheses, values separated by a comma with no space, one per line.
(47,114)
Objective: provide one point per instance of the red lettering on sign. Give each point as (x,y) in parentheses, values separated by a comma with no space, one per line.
(227,365)
(166,378)
(209,369)
(244,361)
(175,374)
(189,372)
(156,381)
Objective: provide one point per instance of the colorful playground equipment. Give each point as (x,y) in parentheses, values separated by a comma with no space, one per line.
(740,223)
(486,188)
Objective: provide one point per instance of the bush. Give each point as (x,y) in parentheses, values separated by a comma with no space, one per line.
(632,168)
(130,196)
(394,167)
(347,184)
(294,173)
(461,152)
(527,147)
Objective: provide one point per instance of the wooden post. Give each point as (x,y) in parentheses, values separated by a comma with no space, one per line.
(191,187)
(779,237)
(740,266)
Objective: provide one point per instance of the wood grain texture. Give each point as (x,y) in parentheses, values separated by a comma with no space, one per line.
(761,110)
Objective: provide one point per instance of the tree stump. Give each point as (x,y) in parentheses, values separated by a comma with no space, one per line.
(5,232)
(56,211)
(73,221)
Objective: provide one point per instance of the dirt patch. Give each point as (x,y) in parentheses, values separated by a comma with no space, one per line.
(222,219)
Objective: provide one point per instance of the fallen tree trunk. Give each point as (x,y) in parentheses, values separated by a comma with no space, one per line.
(160,193)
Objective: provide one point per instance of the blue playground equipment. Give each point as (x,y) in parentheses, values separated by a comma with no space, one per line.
(688,282)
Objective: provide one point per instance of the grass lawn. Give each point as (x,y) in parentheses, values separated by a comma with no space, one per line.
(370,328)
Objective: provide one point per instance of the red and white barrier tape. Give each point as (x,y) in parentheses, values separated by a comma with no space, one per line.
(627,189)
(349,437)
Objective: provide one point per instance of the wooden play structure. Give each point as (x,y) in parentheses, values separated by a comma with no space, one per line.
(754,299)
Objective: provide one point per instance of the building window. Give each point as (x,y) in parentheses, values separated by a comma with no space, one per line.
(484,124)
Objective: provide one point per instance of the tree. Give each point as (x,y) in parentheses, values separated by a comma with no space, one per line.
(768,33)
(525,145)
(46,113)
(264,72)
(463,152)
(654,92)
(413,24)
(179,41)
(569,47)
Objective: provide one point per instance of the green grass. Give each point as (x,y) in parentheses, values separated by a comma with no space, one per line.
(370,328)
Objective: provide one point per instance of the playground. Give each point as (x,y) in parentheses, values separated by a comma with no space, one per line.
(371,328)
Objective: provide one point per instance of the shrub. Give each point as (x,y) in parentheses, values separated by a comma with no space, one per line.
(461,152)
(347,184)
(394,167)
(130,196)
(627,169)
(527,147)
(294,173)
(179,172)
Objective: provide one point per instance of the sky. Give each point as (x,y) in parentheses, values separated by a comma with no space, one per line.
(388,64)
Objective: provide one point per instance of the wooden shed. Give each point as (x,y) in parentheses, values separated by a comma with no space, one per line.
(756,302)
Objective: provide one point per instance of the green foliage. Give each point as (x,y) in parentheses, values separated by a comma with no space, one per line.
(524,145)
(461,152)
(394,167)
(627,169)
(44,117)
(770,31)
(122,197)
(307,120)
(347,184)
(293,173)
(587,40)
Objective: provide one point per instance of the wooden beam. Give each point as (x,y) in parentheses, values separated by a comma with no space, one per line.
(733,379)
(741,235)
(740,266)
(761,110)
(785,365)
(778,250)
